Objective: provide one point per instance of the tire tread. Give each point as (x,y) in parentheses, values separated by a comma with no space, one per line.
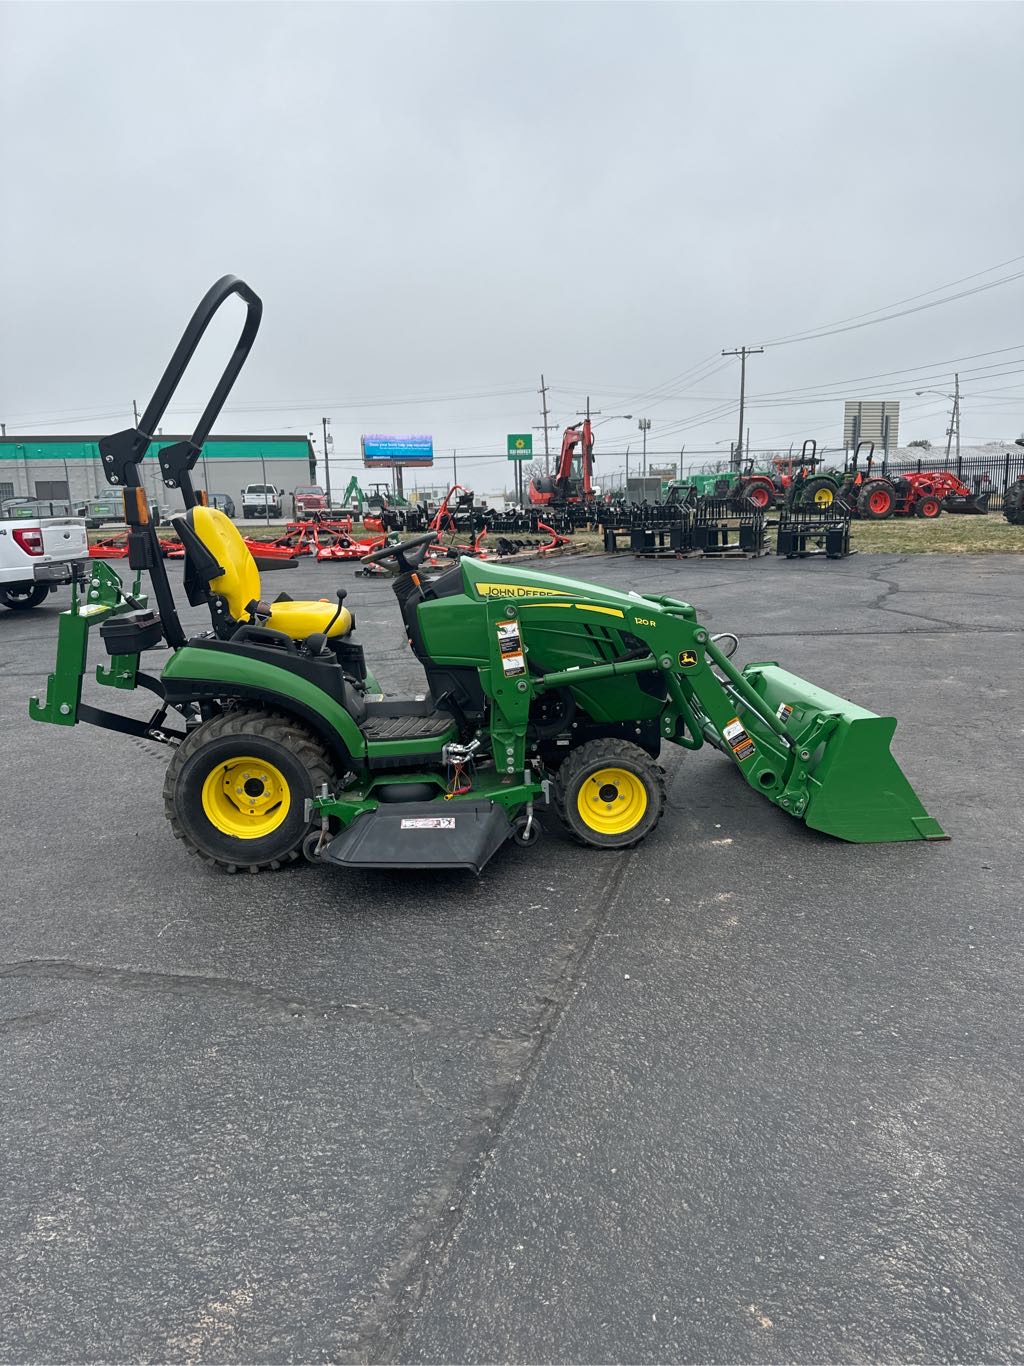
(276,726)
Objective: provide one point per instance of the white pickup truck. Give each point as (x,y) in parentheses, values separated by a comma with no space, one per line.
(262,500)
(37,554)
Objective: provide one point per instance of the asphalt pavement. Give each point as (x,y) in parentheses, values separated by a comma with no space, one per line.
(744,1093)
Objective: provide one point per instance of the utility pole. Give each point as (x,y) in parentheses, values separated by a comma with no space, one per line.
(543,391)
(135,412)
(954,419)
(455,467)
(645,426)
(327,462)
(743,353)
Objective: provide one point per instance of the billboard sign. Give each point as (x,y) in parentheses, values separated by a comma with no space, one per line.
(389,452)
(519,446)
(876,420)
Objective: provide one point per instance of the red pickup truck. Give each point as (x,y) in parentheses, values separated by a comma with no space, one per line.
(309,498)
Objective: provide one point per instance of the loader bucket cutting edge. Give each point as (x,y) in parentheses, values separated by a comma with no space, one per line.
(856,790)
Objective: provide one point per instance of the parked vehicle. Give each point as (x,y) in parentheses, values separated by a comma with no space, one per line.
(261,500)
(36,555)
(224,502)
(100,511)
(309,498)
(35,507)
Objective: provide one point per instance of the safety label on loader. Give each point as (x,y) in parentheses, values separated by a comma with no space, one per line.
(510,645)
(428,823)
(784,712)
(739,741)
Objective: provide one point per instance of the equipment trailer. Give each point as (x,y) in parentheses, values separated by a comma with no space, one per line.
(541,690)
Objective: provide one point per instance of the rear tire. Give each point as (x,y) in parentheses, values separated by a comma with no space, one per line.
(758,494)
(23,597)
(877,500)
(236,789)
(1013,504)
(610,794)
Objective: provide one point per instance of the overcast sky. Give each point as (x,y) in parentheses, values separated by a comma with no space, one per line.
(437,201)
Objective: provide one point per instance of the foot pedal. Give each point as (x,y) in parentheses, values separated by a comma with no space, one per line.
(421,835)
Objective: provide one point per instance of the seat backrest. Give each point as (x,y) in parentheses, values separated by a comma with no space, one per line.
(239,584)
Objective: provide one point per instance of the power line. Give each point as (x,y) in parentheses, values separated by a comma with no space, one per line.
(908,370)
(830,330)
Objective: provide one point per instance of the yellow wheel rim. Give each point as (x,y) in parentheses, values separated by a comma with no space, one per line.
(824,497)
(611,801)
(246,798)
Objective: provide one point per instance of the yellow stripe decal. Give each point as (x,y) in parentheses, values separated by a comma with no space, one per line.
(608,611)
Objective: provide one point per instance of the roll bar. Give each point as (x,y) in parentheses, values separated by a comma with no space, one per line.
(122,452)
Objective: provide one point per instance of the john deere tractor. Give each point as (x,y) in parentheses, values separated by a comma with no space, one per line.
(539,692)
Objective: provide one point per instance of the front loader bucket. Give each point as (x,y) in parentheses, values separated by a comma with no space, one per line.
(855,789)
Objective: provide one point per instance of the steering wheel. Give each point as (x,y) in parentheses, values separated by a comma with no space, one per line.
(399,553)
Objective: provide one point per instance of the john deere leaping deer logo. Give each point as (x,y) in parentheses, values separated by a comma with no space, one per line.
(688,659)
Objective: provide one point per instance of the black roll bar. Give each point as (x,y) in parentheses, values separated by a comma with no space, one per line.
(122,452)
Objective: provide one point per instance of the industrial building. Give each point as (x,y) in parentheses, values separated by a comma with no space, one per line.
(69,467)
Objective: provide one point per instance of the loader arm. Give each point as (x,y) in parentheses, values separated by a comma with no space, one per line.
(814,754)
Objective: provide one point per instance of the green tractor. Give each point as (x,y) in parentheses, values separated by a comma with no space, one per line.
(540,691)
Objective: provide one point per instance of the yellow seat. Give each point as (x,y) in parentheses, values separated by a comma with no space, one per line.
(239,584)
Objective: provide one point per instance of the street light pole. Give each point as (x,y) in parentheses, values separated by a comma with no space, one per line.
(954,417)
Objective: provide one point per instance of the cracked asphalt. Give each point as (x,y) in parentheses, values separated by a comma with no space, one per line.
(743,1094)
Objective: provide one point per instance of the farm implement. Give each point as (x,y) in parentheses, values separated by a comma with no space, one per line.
(307,536)
(541,691)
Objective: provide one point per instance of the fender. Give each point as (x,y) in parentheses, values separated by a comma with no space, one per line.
(195,672)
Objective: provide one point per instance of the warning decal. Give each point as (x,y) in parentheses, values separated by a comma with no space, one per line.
(784,712)
(738,739)
(428,822)
(510,645)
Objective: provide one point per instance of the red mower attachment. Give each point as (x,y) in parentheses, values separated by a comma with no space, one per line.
(110,548)
(343,547)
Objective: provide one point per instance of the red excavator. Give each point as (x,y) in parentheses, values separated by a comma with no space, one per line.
(573,481)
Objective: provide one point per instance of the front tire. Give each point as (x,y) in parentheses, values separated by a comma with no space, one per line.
(817,492)
(610,794)
(21,597)
(236,789)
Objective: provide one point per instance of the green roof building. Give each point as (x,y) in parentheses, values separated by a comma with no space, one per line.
(69,467)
